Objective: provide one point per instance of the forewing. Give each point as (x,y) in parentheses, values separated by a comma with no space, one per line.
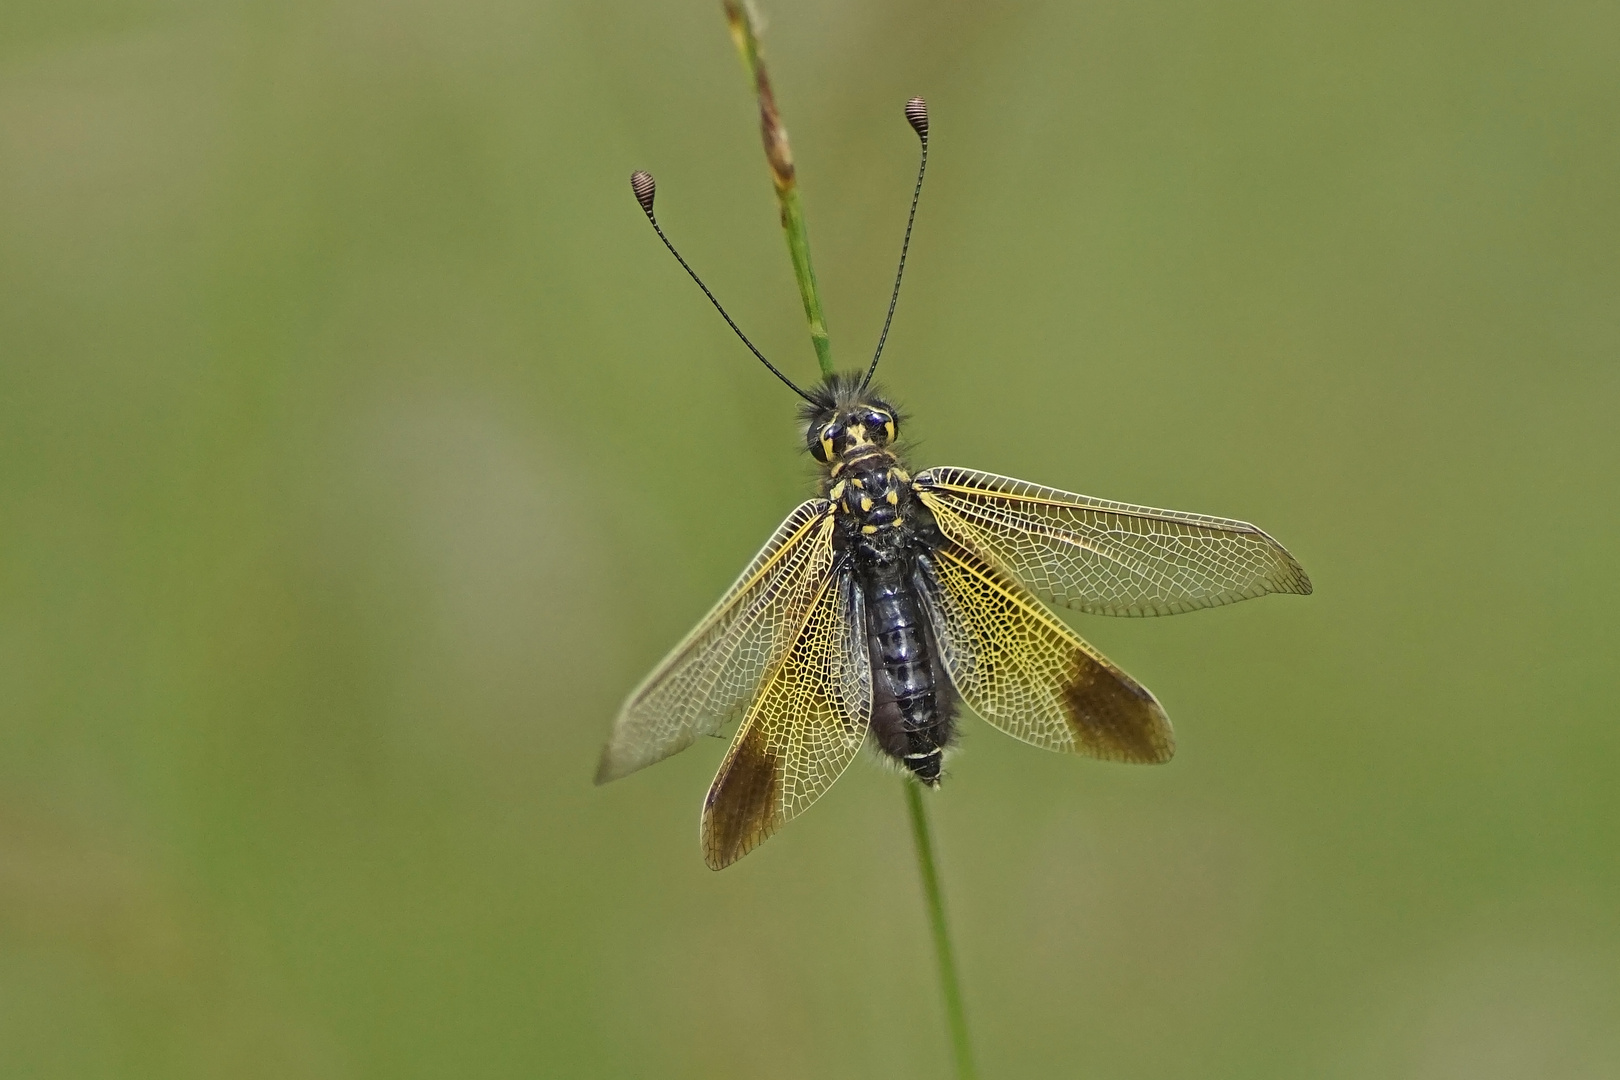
(801,732)
(711,676)
(1020,668)
(1107,558)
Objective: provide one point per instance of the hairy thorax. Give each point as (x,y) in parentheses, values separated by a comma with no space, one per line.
(876,510)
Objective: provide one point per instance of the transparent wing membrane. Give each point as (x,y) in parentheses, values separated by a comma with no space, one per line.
(803,730)
(710,677)
(1020,668)
(1107,558)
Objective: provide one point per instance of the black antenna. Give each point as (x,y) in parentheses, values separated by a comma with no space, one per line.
(645,188)
(917,117)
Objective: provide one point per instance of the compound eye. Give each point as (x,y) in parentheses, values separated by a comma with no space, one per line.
(880,427)
(829,440)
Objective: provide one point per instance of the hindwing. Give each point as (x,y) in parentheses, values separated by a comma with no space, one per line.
(1017,665)
(801,732)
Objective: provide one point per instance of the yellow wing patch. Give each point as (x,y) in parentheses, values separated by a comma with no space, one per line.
(1020,668)
(803,730)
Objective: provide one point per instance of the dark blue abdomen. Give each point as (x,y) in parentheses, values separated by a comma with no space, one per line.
(907,682)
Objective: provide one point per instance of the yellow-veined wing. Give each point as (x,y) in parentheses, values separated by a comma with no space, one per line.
(1107,558)
(1017,665)
(800,733)
(710,677)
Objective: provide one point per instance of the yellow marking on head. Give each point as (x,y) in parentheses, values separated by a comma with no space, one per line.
(838,467)
(870,529)
(888,427)
(866,503)
(893,497)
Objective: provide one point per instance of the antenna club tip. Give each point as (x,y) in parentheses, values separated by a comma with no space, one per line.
(645,188)
(917,116)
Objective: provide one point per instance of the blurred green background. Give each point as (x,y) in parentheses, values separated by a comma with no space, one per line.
(358,454)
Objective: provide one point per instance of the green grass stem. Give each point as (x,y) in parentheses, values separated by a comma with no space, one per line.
(950,987)
(779,155)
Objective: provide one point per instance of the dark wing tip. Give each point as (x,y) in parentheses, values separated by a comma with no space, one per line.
(1114,717)
(739,811)
(1164,742)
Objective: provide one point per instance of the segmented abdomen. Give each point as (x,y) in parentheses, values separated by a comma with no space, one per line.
(907,720)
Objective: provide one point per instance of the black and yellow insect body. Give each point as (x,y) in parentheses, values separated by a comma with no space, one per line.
(878,607)
(882,537)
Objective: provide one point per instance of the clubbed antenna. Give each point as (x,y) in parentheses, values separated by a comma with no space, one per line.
(917,117)
(646,189)
(917,114)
